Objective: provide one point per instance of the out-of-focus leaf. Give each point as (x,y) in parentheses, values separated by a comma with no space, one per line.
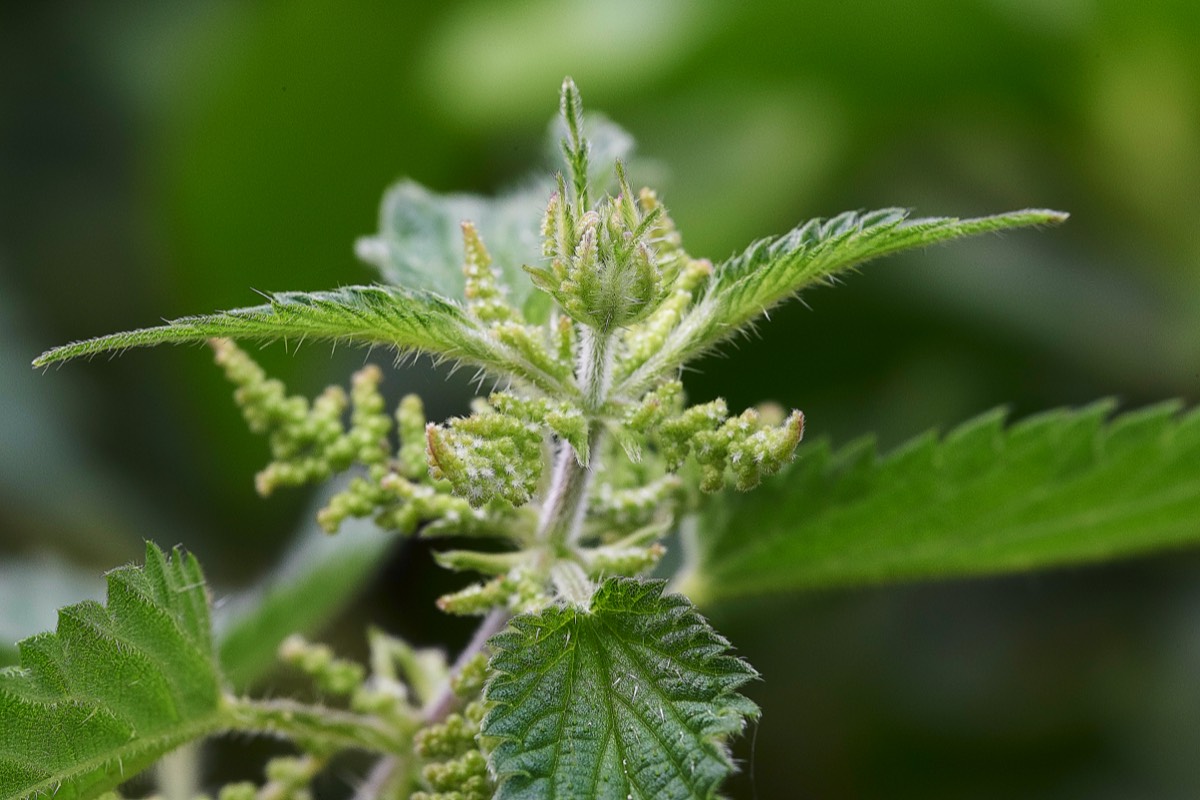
(316,579)
(1058,488)
(420,245)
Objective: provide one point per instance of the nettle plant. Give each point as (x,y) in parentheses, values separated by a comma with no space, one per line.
(592,674)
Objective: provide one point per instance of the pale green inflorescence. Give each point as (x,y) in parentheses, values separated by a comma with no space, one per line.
(621,284)
(576,467)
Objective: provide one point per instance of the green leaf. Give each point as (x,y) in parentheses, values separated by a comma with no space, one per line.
(775,269)
(420,241)
(318,576)
(31,592)
(115,688)
(1058,488)
(411,321)
(420,245)
(633,697)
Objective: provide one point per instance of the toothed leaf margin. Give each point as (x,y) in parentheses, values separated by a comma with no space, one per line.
(114,688)
(633,697)
(1062,487)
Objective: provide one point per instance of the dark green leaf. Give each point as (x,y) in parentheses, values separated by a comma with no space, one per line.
(634,697)
(1062,487)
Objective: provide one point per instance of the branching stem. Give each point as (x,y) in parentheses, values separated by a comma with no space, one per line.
(392,772)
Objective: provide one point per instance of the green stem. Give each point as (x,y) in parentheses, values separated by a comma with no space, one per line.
(563,510)
(594,370)
(392,774)
(327,726)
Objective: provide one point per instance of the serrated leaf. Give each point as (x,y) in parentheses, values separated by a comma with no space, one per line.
(771,270)
(31,592)
(411,321)
(1059,488)
(114,688)
(634,697)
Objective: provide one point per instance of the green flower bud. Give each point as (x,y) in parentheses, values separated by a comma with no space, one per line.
(484,293)
(745,445)
(477,599)
(331,674)
(410,423)
(487,457)
(614,560)
(635,506)
(467,774)
(603,268)
(469,680)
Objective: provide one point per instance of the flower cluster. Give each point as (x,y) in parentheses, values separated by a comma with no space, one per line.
(619,284)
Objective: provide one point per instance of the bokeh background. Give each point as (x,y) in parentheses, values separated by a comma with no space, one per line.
(164,158)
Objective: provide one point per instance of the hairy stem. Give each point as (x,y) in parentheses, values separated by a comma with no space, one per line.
(594,370)
(562,514)
(566,502)
(341,729)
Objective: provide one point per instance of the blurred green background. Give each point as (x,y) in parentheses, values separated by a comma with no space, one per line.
(164,158)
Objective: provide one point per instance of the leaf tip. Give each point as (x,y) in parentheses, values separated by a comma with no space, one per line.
(1048,216)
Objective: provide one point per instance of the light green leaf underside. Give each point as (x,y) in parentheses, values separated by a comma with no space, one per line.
(774,269)
(1058,488)
(632,699)
(419,244)
(114,688)
(411,321)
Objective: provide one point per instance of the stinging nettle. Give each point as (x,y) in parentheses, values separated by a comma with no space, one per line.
(588,677)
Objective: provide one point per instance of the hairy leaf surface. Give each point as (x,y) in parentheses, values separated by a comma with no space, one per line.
(1058,488)
(411,321)
(632,698)
(774,269)
(114,688)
